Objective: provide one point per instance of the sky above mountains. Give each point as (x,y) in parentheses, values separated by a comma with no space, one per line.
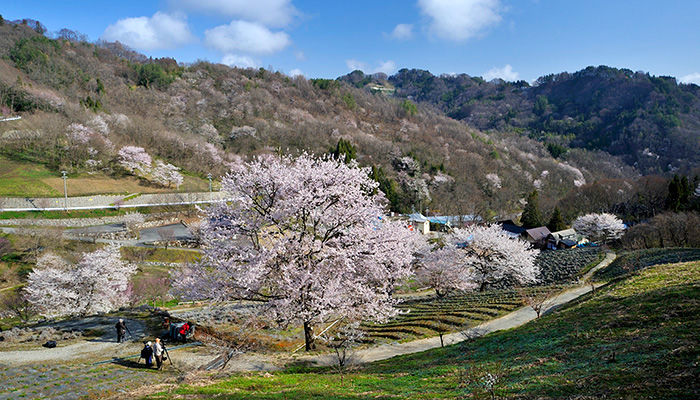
(508,39)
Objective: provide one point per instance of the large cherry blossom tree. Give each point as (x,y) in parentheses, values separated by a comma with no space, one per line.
(98,282)
(478,257)
(306,235)
(599,227)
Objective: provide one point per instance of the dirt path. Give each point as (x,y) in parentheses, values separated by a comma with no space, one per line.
(104,347)
(508,321)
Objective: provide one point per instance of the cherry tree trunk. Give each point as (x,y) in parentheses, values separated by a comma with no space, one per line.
(309,336)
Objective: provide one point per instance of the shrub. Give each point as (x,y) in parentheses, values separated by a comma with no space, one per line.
(409,107)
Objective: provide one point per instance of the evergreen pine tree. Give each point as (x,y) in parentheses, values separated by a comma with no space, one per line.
(556,222)
(344,151)
(532,217)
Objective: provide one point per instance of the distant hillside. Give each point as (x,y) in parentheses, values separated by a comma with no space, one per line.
(82,102)
(652,123)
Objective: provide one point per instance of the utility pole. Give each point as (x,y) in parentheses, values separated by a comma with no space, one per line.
(209,177)
(65,191)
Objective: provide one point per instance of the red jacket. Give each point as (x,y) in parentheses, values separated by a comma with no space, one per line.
(185,328)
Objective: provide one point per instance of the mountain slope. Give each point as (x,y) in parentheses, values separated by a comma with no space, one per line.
(651,122)
(81,102)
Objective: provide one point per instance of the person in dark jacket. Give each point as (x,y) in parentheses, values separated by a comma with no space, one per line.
(121,330)
(147,354)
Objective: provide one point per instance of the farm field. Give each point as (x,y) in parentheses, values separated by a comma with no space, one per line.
(561,355)
(560,266)
(27,179)
(426,317)
(429,316)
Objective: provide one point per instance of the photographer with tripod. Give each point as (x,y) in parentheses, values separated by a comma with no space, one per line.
(158,353)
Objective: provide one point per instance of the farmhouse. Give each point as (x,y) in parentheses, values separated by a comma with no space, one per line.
(438,223)
(565,239)
(537,236)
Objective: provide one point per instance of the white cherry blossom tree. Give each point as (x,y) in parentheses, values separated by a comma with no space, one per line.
(135,160)
(96,283)
(307,236)
(489,257)
(166,174)
(441,270)
(599,227)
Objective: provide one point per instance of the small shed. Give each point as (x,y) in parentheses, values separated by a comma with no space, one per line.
(419,223)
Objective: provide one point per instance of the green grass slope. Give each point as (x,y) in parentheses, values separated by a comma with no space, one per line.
(636,338)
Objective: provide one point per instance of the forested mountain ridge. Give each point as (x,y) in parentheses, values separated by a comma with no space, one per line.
(652,123)
(82,102)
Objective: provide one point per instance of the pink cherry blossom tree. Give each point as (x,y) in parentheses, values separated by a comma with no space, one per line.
(599,227)
(98,282)
(491,257)
(135,160)
(441,270)
(307,236)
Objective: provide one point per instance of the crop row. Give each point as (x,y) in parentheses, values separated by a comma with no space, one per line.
(563,266)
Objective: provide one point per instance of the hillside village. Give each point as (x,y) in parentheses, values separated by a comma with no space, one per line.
(176,229)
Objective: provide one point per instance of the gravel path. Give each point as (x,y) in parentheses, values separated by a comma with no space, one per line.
(508,321)
(104,347)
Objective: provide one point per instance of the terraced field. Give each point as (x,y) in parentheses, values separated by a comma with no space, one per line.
(427,317)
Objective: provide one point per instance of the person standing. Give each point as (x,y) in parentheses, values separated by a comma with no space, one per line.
(121,330)
(158,353)
(147,354)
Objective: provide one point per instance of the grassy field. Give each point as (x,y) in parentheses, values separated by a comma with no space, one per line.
(636,338)
(631,261)
(27,179)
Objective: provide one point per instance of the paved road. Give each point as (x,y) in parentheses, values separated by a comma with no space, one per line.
(508,321)
(109,201)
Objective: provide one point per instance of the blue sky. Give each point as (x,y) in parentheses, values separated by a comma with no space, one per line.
(492,38)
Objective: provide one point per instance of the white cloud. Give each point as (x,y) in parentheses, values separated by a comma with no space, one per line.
(460,19)
(506,73)
(300,56)
(249,37)
(275,13)
(387,67)
(161,31)
(234,60)
(296,72)
(402,32)
(355,65)
(691,78)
